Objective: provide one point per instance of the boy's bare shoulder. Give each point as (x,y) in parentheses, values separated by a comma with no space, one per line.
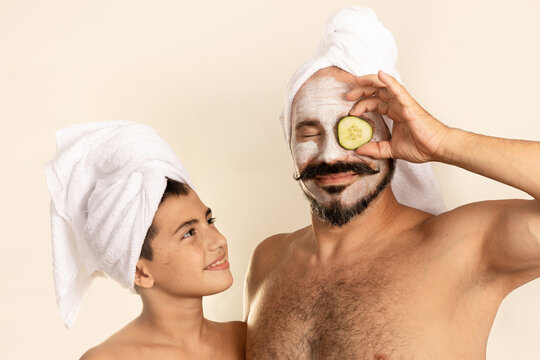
(102,352)
(121,345)
(112,350)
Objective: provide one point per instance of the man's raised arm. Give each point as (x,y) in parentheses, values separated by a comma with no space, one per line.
(513,243)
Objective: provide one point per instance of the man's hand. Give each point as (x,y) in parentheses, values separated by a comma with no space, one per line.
(512,227)
(416,136)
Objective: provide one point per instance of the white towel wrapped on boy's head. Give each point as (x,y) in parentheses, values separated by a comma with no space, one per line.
(106,182)
(357,42)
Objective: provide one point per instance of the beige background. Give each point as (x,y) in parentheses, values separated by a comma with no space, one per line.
(210,77)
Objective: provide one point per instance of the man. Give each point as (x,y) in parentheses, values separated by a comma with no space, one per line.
(372,278)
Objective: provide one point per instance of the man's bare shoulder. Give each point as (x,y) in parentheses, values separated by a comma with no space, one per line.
(473,218)
(266,257)
(466,230)
(271,250)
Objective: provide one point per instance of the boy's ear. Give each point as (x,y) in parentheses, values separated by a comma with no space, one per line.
(143,278)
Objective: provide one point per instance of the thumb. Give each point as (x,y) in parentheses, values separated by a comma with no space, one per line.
(377,150)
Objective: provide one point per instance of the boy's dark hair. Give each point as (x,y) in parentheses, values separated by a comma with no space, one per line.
(173,188)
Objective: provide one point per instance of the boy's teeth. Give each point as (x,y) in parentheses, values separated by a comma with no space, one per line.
(218,263)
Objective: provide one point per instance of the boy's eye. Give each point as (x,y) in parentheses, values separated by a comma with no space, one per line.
(188,234)
(211,220)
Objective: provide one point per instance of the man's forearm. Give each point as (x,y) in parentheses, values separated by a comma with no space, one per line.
(513,162)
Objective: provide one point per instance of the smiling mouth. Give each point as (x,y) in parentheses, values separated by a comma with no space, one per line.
(337,179)
(337,171)
(220,263)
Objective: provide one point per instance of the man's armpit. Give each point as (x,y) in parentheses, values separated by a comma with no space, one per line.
(514,241)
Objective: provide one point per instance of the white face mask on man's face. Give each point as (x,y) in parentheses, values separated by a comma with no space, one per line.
(317,108)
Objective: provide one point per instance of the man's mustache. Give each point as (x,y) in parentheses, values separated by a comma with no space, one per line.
(311,171)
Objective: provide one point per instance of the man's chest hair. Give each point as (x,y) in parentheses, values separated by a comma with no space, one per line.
(348,312)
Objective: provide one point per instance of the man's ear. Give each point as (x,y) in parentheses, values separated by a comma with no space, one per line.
(143,278)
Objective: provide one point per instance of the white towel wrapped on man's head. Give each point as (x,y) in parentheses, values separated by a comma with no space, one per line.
(357,42)
(106,182)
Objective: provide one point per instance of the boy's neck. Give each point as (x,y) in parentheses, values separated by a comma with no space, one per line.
(174,319)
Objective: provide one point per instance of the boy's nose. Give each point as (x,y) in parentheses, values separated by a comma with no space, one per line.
(216,240)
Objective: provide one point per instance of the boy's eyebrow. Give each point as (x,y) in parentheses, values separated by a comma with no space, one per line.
(191,222)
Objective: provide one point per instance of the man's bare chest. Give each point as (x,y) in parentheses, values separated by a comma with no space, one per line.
(345,315)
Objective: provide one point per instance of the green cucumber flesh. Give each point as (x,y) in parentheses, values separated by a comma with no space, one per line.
(353,132)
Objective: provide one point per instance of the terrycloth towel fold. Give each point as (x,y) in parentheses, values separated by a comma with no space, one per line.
(106,182)
(355,41)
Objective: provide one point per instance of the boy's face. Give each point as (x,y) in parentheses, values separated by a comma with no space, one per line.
(189,254)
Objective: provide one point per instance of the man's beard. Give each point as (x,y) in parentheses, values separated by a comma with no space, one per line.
(335,213)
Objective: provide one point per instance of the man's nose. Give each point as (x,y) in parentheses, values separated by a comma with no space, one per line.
(331,151)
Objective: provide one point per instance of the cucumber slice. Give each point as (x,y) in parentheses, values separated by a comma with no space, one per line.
(353,132)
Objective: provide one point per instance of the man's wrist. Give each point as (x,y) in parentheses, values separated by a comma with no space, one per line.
(454,141)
